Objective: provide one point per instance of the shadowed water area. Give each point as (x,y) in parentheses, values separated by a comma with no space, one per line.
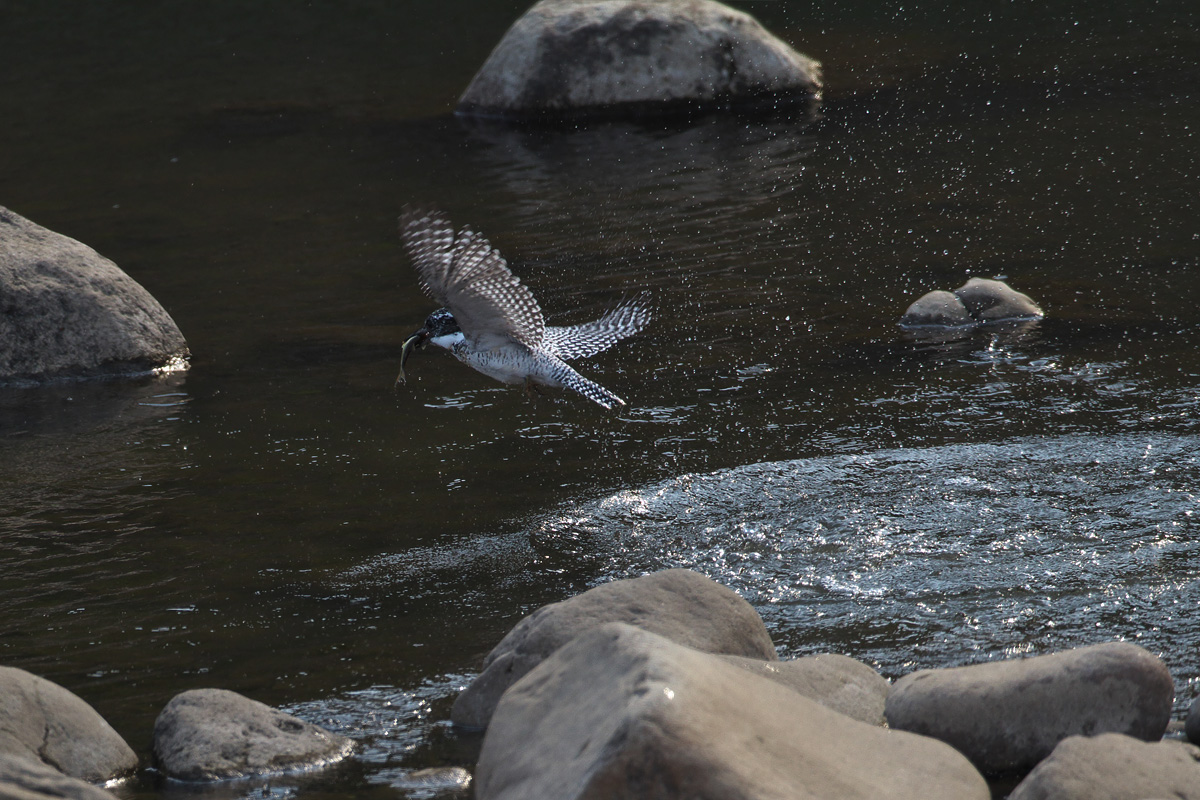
(282,522)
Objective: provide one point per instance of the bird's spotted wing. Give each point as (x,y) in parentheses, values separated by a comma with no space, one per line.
(467,275)
(581,341)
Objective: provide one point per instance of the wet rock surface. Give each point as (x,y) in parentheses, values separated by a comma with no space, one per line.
(681,605)
(1006,716)
(1114,767)
(623,713)
(632,57)
(44,723)
(213,734)
(66,311)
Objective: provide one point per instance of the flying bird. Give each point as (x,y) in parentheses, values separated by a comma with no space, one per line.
(491,322)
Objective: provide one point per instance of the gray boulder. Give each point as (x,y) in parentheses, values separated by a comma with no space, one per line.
(835,681)
(43,722)
(25,779)
(570,56)
(684,606)
(213,734)
(623,713)
(66,311)
(1114,767)
(989,300)
(1007,716)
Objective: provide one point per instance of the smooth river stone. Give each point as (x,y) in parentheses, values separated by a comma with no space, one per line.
(67,311)
(1114,767)
(631,57)
(43,722)
(1007,716)
(214,734)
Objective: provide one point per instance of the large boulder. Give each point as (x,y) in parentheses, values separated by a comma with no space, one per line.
(65,310)
(566,57)
(25,779)
(623,713)
(835,681)
(684,606)
(214,734)
(1114,767)
(43,722)
(1006,716)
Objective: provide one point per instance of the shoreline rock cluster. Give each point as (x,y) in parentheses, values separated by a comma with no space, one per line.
(668,686)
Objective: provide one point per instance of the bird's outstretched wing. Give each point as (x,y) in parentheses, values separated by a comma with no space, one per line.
(467,275)
(581,341)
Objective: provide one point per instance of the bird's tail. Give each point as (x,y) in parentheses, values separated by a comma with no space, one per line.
(589,389)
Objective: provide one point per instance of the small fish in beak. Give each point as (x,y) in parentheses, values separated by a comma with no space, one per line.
(414,342)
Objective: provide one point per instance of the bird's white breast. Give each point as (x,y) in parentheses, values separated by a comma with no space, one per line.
(448,340)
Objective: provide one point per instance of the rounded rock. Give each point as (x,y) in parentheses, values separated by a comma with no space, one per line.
(215,734)
(66,311)
(1113,767)
(43,722)
(623,713)
(566,57)
(1006,716)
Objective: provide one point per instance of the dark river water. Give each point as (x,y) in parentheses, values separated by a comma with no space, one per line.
(280,521)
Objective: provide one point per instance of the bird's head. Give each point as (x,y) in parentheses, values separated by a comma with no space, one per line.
(440,328)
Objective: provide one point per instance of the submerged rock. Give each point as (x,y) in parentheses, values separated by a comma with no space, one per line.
(978,300)
(1008,715)
(683,606)
(837,682)
(434,780)
(1114,767)
(66,311)
(213,734)
(27,779)
(623,713)
(566,57)
(44,723)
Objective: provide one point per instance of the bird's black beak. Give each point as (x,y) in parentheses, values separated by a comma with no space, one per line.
(417,340)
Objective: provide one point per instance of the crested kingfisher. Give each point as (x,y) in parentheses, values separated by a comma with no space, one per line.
(491,321)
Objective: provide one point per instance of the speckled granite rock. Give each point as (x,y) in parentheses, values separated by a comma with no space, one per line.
(631,57)
(66,311)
